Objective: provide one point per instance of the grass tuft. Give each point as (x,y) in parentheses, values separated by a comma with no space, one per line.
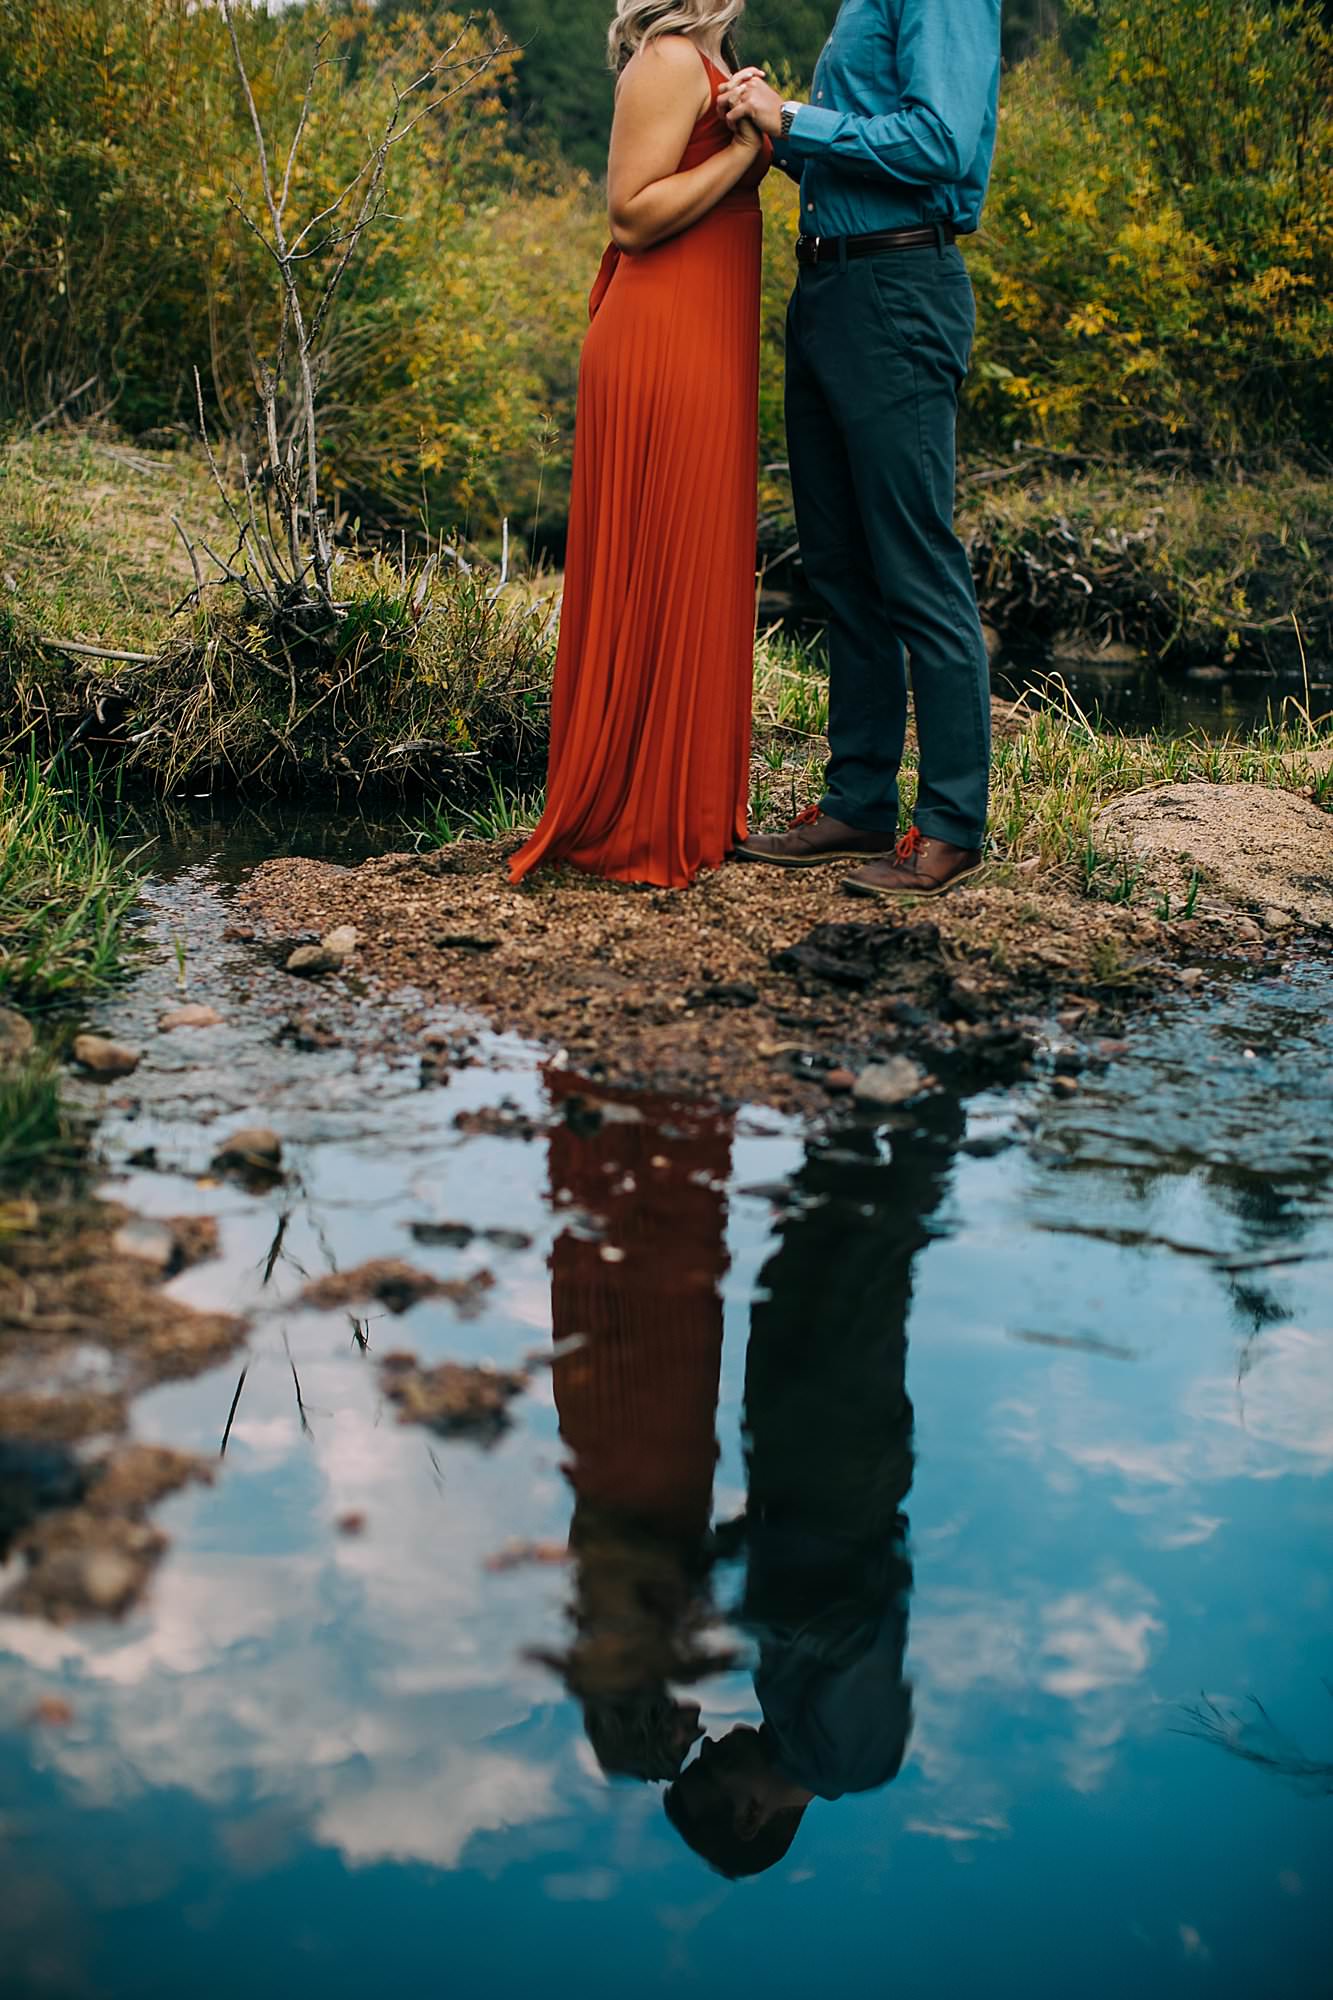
(64,890)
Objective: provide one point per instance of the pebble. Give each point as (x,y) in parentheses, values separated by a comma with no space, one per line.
(1191,976)
(1065,1086)
(101,1057)
(194,1014)
(254,1146)
(151,1242)
(837,1082)
(888,1083)
(308,960)
(108,1579)
(341,941)
(51,1712)
(1276,920)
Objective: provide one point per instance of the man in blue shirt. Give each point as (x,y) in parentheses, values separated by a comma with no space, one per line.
(892,154)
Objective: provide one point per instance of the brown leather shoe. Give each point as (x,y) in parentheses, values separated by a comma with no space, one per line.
(919,867)
(812,837)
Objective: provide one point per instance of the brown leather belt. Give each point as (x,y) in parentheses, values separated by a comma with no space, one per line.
(834,249)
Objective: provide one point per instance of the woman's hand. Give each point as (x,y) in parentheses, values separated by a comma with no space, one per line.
(748,94)
(746,134)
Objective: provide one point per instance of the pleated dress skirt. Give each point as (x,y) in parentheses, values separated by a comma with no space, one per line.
(650,712)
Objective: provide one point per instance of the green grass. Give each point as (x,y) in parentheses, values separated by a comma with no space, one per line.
(64,891)
(36,1135)
(86,535)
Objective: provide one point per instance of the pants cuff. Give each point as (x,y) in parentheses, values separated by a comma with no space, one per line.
(883,819)
(939,826)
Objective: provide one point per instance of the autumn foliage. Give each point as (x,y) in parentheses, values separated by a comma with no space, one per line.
(1154,269)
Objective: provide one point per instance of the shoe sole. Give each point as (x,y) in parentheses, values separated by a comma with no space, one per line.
(853,888)
(813,861)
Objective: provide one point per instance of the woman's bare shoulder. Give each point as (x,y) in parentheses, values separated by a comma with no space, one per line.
(665,62)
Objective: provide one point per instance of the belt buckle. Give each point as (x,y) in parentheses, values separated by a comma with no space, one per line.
(807,249)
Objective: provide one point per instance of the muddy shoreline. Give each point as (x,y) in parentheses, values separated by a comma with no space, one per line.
(757,985)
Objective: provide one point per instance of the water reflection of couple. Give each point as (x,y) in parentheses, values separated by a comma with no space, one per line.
(828,1430)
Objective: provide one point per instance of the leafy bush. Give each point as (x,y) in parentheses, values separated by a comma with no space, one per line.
(127,266)
(1155,263)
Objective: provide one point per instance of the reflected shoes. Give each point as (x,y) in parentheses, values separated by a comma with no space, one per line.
(917,867)
(812,838)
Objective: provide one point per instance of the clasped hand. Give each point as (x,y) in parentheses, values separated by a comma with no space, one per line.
(748,96)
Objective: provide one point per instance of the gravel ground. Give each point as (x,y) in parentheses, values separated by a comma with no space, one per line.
(753,985)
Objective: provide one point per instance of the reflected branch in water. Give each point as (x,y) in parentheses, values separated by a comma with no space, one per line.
(231,1414)
(1255,1739)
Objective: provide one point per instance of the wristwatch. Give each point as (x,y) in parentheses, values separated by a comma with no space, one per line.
(789,111)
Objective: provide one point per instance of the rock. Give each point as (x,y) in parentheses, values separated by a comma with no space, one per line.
(1068,1061)
(1274,919)
(153,1243)
(17,1040)
(308,961)
(886,1084)
(994,642)
(194,1014)
(444,1235)
(52,1711)
(837,1082)
(238,934)
(853,955)
(397,1285)
(723,993)
(508,1239)
(986,1145)
(352,1523)
(1251,846)
(305,1032)
(341,941)
(452,1399)
(464,941)
(1065,1086)
(104,1058)
(254,1149)
(501,1121)
(108,1580)
(1190,976)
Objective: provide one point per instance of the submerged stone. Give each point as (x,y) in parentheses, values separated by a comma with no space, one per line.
(102,1057)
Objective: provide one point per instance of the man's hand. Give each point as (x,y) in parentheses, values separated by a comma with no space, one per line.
(748,95)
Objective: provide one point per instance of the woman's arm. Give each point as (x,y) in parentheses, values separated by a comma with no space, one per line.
(663,92)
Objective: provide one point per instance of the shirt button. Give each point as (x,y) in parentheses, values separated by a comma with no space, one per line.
(810,207)
(819,97)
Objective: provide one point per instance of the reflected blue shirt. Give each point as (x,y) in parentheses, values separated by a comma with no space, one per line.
(900,128)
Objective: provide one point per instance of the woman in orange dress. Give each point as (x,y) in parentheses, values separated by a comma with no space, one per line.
(650,710)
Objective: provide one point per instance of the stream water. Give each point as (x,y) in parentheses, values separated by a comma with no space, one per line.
(980,1461)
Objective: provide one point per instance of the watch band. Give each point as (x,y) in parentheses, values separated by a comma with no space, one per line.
(789,112)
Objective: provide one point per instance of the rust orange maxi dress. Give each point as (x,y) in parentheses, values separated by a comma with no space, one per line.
(650,709)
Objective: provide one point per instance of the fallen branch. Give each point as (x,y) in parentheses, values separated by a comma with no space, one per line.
(54,645)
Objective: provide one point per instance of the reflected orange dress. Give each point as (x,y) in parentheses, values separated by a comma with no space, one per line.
(650,708)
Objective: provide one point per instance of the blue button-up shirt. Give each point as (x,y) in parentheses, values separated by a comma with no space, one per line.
(901,124)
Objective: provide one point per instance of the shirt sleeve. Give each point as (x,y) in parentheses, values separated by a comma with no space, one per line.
(947,53)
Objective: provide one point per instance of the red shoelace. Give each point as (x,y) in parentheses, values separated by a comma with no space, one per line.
(807,816)
(911,844)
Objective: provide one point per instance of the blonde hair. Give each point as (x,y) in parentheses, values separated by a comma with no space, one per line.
(640,21)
